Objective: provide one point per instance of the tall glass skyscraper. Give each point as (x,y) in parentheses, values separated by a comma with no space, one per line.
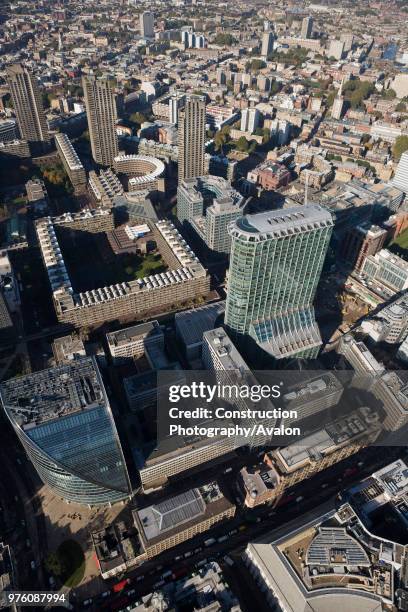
(275,266)
(63,419)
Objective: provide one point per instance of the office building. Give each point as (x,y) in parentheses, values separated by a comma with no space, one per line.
(336,49)
(358,355)
(221,356)
(116,546)
(173,520)
(402,353)
(191,138)
(312,394)
(270,175)
(36,191)
(147,24)
(391,389)
(8,577)
(63,419)
(275,266)
(330,562)
(173,107)
(68,348)
(204,591)
(348,39)
(280,131)
(387,270)
(286,467)
(7,330)
(217,219)
(131,342)
(71,162)
(307,27)
(390,324)
(191,325)
(101,113)
(359,242)
(28,106)
(400,179)
(400,85)
(181,454)
(250,118)
(267,43)
(207,205)
(8,130)
(142,390)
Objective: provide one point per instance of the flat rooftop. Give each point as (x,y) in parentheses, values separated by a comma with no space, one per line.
(174,514)
(323,441)
(54,393)
(393,478)
(305,567)
(296,218)
(128,334)
(191,324)
(225,349)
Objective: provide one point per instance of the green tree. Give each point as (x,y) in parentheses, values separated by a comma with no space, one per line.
(137,118)
(45,99)
(76,91)
(400,146)
(255,64)
(275,87)
(266,135)
(224,39)
(7,101)
(242,144)
(54,564)
(220,139)
(389,94)
(356,91)
(401,107)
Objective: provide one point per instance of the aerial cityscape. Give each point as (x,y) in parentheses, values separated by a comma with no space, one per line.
(204,305)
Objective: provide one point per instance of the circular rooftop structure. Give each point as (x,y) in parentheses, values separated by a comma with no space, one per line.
(143,171)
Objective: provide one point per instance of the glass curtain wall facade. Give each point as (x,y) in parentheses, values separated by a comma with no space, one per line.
(275,266)
(73,444)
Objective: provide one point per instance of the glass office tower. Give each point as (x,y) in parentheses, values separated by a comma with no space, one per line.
(275,266)
(63,419)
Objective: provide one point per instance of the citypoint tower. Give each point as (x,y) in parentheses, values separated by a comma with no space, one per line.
(275,266)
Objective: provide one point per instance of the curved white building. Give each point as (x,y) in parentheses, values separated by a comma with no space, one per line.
(144,172)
